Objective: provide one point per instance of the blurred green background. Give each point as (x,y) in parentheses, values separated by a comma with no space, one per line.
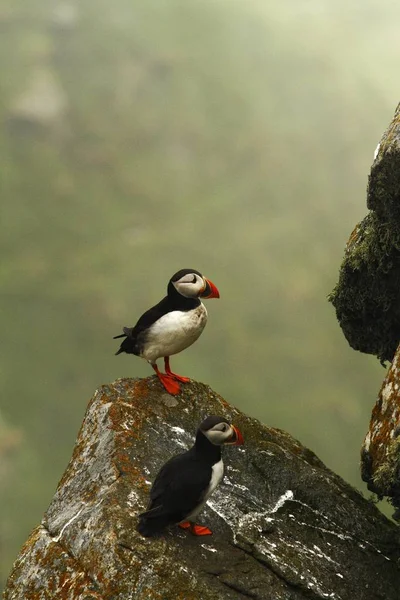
(234,137)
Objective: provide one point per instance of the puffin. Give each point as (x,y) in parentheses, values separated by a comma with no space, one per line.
(172,325)
(186,481)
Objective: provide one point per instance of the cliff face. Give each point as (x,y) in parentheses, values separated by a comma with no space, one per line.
(380,453)
(367,296)
(367,302)
(285,527)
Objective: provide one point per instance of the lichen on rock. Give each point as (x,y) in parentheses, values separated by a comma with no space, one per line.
(285,527)
(367,302)
(367,295)
(380,454)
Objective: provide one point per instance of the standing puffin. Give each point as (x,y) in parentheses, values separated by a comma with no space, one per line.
(171,325)
(185,482)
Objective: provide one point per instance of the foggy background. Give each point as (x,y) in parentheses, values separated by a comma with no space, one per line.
(141,137)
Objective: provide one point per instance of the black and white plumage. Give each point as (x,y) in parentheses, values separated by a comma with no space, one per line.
(185,482)
(172,325)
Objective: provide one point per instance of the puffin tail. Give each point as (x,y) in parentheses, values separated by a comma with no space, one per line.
(128,345)
(148,527)
(127,332)
(153,521)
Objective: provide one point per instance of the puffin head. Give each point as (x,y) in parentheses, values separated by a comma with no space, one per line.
(220,432)
(192,284)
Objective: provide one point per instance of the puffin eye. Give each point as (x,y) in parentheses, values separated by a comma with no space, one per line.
(188,278)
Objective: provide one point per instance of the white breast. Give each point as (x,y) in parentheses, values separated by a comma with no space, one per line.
(174,332)
(216,476)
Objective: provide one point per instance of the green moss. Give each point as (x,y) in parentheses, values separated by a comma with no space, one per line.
(367,295)
(384,181)
(386,480)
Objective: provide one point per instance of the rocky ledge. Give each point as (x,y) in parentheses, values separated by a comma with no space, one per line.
(285,527)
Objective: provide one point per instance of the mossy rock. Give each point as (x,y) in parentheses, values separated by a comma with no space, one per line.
(380,453)
(367,295)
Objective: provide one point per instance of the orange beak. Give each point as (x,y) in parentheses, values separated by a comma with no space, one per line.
(210,290)
(236,439)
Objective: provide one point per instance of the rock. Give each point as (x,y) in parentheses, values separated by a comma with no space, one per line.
(285,527)
(367,302)
(383,194)
(380,454)
(367,295)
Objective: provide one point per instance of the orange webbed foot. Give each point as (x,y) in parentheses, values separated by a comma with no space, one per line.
(174,375)
(198,530)
(179,377)
(169,384)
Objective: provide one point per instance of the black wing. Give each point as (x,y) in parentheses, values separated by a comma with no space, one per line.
(151,316)
(135,337)
(178,488)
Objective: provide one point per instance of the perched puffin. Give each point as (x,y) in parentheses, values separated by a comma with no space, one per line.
(186,481)
(171,325)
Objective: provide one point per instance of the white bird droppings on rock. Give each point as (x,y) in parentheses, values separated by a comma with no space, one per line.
(288,495)
(209,548)
(71,520)
(178,430)
(386,394)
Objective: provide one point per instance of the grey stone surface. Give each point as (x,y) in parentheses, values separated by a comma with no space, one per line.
(285,527)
